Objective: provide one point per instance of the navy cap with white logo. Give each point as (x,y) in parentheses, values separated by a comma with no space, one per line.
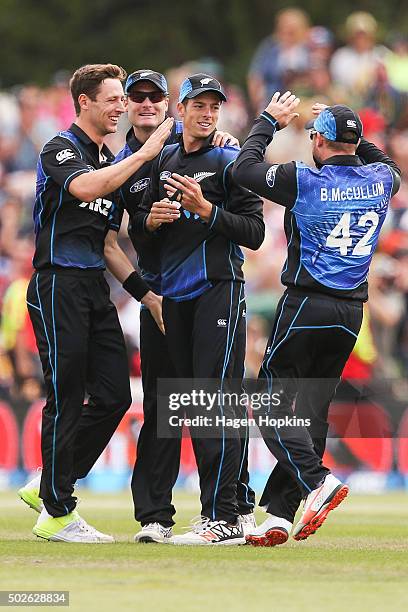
(197,84)
(339,123)
(156,78)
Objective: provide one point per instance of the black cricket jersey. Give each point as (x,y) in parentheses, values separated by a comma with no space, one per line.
(334,213)
(193,252)
(129,198)
(69,233)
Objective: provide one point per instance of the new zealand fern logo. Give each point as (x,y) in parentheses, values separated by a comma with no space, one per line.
(200,176)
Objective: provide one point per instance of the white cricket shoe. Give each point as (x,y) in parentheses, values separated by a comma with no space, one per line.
(248,522)
(318,505)
(68,528)
(154,532)
(30,494)
(273,531)
(206,532)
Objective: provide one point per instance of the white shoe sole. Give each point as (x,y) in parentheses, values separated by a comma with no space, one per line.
(150,539)
(61,538)
(234,542)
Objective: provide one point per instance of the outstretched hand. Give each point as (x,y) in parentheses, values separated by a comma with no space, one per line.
(282,108)
(317,108)
(155,142)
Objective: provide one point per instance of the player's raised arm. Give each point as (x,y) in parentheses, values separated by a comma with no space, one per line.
(90,186)
(276,182)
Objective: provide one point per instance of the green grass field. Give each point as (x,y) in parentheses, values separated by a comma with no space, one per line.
(358,560)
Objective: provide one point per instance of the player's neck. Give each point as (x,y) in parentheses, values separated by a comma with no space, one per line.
(90,131)
(142,134)
(192,143)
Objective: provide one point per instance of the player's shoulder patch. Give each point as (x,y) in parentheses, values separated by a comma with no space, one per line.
(68,141)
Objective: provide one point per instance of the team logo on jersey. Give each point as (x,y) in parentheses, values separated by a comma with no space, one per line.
(140,185)
(63,155)
(222,323)
(200,176)
(165,175)
(205,82)
(100,205)
(90,168)
(271,174)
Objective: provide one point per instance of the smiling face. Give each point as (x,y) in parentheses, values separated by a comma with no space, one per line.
(103,113)
(146,114)
(200,114)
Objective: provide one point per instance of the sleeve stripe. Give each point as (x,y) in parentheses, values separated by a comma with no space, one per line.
(215,216)
(82,171)
(271,121)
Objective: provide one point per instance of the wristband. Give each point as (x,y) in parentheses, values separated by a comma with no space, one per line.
(136,286)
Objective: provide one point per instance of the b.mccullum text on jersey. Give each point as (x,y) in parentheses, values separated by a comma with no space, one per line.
(69,233)
(195,252)
(333,215)
(129,198)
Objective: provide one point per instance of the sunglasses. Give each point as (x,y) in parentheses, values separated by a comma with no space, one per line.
(140,96)
(312,133)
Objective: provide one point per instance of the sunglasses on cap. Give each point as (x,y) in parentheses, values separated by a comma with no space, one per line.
(140,96)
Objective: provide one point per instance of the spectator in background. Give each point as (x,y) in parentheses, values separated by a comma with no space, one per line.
(321,45)
(17,335)
(281,59)
(396,62)
(257,337)
(382,97)
(32,132)
(56,101)
(353,65)
(386,309)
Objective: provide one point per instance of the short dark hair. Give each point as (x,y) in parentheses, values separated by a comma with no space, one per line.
(347,148)
(87,80)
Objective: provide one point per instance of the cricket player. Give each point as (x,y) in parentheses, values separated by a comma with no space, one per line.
(157,463)
(333,216)
(203,285)
(76,325)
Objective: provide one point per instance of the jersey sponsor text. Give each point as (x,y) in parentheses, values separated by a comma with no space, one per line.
(100,205)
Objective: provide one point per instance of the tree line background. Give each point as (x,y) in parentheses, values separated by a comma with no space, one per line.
(39,38)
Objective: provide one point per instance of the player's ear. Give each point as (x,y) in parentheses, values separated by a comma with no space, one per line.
(181,109)
(319,140)
(83,101)
(167,103)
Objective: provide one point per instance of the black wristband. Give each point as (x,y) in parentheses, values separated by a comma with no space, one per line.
(136,286)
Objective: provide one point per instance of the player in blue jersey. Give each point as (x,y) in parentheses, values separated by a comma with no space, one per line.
(202,284)
(76,326)
(334,213)
(158,458)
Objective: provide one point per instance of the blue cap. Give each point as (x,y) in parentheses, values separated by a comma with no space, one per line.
(339,123)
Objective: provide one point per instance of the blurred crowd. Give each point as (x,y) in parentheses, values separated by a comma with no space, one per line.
(360,65)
